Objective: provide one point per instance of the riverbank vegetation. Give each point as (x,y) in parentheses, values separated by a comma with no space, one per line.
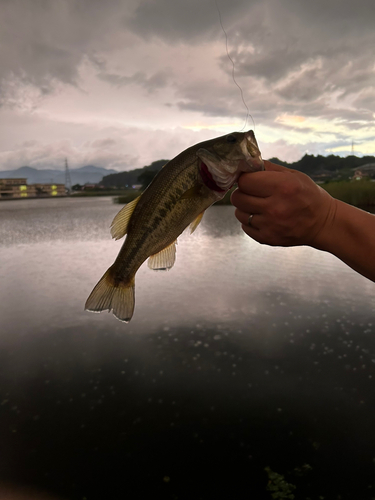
(358,193)
(335,174)
(132,193)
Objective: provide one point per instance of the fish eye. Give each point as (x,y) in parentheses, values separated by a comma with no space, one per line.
(231,138)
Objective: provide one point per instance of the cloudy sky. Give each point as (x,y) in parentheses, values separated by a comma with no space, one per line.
(121,83)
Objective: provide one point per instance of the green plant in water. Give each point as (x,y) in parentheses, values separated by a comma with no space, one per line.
(277,485)
(302,471)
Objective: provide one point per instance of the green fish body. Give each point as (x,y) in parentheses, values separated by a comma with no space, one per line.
(178,196)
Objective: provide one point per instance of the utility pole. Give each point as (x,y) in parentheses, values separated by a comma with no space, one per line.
(68,181)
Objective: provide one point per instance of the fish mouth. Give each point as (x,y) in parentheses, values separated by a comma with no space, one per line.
(220,174)
(251,152)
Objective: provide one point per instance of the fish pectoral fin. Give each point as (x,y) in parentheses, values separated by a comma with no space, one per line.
(192,192)
(119,226)
(196,222)
(163,260)
(107,296)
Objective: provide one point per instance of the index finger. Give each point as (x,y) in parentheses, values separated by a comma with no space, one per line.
(263,183)
(268,165)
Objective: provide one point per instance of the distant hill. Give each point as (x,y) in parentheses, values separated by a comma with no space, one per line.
(87,174)
(128,179)
(327,166)
(319,168)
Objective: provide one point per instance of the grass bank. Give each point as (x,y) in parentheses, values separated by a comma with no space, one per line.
(358,193)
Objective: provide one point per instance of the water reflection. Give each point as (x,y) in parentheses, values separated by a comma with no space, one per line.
(241,356)
(32,221)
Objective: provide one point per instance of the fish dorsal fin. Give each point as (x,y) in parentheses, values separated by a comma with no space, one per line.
(165,259)
(195,223)
(119,224)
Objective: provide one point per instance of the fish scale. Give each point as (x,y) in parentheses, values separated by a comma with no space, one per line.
(176,197)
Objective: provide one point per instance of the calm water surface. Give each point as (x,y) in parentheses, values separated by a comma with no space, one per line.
(240,357)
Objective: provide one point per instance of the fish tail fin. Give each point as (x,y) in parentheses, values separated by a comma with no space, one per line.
(108,296)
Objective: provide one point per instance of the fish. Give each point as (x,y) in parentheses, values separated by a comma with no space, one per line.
(177,197)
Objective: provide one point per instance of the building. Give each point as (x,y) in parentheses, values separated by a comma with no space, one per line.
(367,170)
(18,188)
(49,189)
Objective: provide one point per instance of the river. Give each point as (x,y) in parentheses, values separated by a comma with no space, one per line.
(241,357)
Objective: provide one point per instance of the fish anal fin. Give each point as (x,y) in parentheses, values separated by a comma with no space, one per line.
(165,259)
(196,222)
(119,224)
(106,296)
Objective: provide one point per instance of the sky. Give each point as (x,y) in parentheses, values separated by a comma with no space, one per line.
(121,83)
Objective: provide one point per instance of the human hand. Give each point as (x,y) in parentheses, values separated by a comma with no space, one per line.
(288,208)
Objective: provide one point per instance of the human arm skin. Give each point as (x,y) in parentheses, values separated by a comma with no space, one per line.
(290,209)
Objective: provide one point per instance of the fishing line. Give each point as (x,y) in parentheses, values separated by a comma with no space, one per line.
(233,76)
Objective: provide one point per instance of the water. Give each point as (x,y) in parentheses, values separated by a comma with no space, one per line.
(241,357)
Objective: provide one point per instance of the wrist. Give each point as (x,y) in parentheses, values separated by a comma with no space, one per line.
(350,236)
(326,236)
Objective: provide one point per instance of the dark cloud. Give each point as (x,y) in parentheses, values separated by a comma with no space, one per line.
(366,100)
(320,109)
(44,42)
(207,96)
(303,51)
(303,87)
(272,65)
(185,21)
(335,17)
(150,83)
(310,59)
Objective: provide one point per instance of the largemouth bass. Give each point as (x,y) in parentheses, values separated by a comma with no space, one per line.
(178,196)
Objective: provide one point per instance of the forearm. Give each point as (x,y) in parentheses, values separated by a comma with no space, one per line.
(287,209)
(350,236)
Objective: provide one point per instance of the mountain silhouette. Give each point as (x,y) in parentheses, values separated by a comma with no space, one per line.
(88,174)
